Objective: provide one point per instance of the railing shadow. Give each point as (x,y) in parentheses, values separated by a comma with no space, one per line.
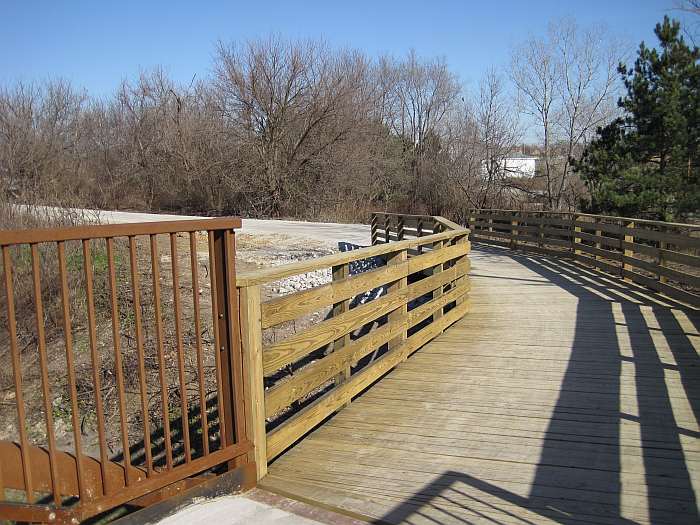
(614,366)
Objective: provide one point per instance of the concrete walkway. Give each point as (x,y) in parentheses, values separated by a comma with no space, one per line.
(321,231)
(256,506)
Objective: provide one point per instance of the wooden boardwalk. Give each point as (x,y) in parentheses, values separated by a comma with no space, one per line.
(564,396)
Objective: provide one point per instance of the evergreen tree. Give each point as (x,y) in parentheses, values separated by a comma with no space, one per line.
(646,163)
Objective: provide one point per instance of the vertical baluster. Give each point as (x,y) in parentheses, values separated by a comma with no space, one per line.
(419,233)
(17,376)
(161,354)
(217,337)
(118,365)
(138,329)
(43,364)
(184,415)
(70,363)
(198,331)
(373,229)
(95,362)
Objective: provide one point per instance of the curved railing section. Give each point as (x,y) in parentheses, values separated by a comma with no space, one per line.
(662,256)
(310,352)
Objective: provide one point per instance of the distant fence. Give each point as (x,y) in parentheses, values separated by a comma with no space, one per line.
(91,349)
(346,334)
(660,255)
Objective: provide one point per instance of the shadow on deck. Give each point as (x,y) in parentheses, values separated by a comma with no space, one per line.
(565,396)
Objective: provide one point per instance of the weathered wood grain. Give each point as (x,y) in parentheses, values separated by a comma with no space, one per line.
(566,395)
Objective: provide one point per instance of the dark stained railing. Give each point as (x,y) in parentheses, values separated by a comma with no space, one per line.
(111,332)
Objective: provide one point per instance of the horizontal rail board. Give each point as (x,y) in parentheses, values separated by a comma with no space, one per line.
(599,226)
(598,263)
(326,368)
(298,425)
(681,258)
(297,346)
(291,306)
(608,254)
(567,215)
(280,272)
(670,238)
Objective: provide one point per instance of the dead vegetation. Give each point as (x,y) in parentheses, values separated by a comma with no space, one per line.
(285,128)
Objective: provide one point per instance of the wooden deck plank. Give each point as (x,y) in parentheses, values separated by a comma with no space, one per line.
(564,396)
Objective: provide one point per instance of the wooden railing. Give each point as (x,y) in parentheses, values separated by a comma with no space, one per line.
(104,342)
(380,304)
(388,227)
(662,256)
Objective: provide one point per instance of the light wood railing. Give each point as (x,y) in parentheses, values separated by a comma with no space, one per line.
(381,304)
(662,256)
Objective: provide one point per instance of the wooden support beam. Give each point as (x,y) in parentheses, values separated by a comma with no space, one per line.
(400,314)
(627,253)
(342,272)
(575,237)
(251,341)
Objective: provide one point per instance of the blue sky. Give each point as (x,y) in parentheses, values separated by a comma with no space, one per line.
(95,44)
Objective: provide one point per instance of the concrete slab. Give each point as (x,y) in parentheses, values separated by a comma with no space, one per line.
(234,510)
(258,507)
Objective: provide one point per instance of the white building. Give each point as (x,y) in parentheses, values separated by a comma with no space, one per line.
(516,166)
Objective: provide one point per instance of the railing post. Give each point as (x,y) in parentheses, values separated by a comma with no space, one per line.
(387,228)
(340,272)
(462,280)
(513,234)
(438,291)
(626,252)
(373,229)
(400,228)
(251,341)
(540,232)
(663,245)
(228,405)
(598,244)
(471,222)
(400,315)
(575,239)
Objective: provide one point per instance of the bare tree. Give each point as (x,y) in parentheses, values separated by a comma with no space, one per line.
(424,92)
(288,101)
(484,133)
(568,85)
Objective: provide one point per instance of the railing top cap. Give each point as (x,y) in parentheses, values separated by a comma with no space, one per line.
(578,214)
(98,231)
(276,273)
